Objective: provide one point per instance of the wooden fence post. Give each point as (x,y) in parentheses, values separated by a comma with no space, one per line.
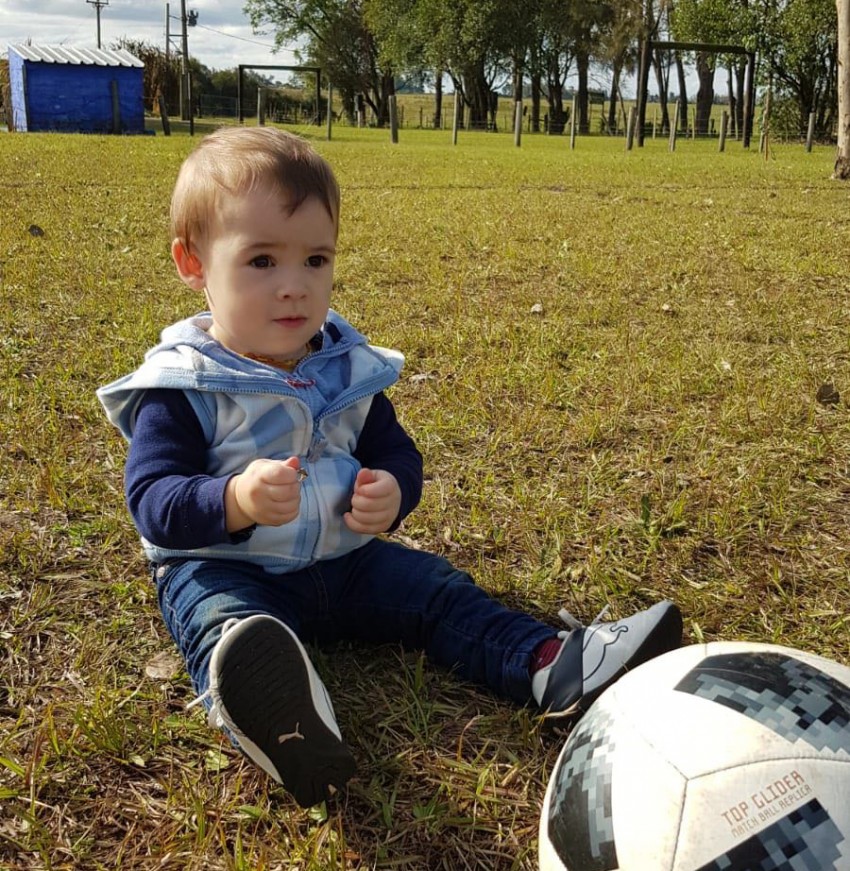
(810,134)
(393,120)
(573,124)
(674,126)
(724,124)
(163,116)
(330,109)
(518,124)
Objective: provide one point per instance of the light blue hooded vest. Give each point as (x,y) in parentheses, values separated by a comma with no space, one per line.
(249,410)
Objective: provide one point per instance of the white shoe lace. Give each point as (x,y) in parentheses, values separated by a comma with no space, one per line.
(214,717)
(572,623)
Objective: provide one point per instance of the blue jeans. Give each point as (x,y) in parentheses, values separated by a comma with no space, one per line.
(380,593)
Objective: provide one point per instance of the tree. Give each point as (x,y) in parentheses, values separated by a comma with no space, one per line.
(554,54)
(470,40)
(655,23)
(799,43)
(160,78)
(842,163)
(714,21)
(617,44)
(587,20)
(338,40)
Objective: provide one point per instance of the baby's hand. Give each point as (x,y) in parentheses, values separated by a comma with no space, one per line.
(268,492)
(375,502)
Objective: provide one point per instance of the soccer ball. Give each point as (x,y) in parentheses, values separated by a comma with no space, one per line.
(727,756)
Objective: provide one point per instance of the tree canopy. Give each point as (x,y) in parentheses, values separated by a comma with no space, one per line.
(481,46)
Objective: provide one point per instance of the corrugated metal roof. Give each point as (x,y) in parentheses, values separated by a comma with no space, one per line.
(63,54)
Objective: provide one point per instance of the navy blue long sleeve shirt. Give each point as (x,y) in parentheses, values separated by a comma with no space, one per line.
(176,504)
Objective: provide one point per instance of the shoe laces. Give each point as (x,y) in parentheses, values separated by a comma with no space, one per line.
(214,716)
(572,623)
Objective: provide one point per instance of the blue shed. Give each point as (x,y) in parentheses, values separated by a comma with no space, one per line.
(76,90)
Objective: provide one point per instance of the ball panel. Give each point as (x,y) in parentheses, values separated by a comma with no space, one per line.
(726,810)
(647,798)
(583,800)
(805,840)
(816,709)
(578,822)
(787,695)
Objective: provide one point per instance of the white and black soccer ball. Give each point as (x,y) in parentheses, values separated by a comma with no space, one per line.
(727,756)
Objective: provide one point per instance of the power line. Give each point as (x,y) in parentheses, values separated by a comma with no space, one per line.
(242,38)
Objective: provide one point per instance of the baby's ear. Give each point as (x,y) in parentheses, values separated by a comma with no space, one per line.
(189,266)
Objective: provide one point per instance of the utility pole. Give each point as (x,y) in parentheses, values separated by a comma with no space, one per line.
(185,93)
(98,5)
(187,20)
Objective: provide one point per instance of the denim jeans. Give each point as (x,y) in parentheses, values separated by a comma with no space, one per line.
(380,593)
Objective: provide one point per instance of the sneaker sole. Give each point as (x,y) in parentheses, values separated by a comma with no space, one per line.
(666,636)
(265,688)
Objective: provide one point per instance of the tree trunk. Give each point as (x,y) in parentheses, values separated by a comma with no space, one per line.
(438,100)
(536,97)
(612,105)
(705,94)
(683,95)
(662,79)
(517,88)
(730,93)
(493,109)
(582,65)
(477,92)
(555,89)
(842,162)
(348,104)
(387,90)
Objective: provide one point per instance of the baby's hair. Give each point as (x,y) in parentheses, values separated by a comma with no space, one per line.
(235,160)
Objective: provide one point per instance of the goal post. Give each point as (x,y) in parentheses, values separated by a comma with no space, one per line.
(649,45)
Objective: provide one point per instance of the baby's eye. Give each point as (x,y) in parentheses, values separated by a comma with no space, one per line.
(262,261)
(316,261)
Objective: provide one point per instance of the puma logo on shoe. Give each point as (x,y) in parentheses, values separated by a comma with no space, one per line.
(288,736)
(615,631)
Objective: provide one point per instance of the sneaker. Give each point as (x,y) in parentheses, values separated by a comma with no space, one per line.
(592,657)
(267,695)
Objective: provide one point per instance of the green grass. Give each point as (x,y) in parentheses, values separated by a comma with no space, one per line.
(651,430)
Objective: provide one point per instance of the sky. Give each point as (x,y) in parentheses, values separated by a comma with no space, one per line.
(222,38)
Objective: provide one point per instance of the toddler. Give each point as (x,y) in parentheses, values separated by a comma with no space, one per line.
(266,460)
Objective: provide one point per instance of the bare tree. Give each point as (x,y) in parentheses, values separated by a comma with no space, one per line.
(842,163)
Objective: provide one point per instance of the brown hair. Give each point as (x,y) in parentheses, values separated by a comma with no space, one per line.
(235,160)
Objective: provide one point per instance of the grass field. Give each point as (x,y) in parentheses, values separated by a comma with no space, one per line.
(615,372)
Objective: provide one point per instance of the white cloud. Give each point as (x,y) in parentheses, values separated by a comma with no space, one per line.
(222,40)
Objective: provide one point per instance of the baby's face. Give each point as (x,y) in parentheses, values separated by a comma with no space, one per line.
(268,274)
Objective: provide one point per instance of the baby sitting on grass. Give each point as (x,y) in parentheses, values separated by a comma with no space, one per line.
(265,462)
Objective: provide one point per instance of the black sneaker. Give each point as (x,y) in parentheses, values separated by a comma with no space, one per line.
(268,696)
(592,657)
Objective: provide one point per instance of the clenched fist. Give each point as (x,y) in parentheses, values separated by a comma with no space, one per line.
(375,502)
(268,492)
